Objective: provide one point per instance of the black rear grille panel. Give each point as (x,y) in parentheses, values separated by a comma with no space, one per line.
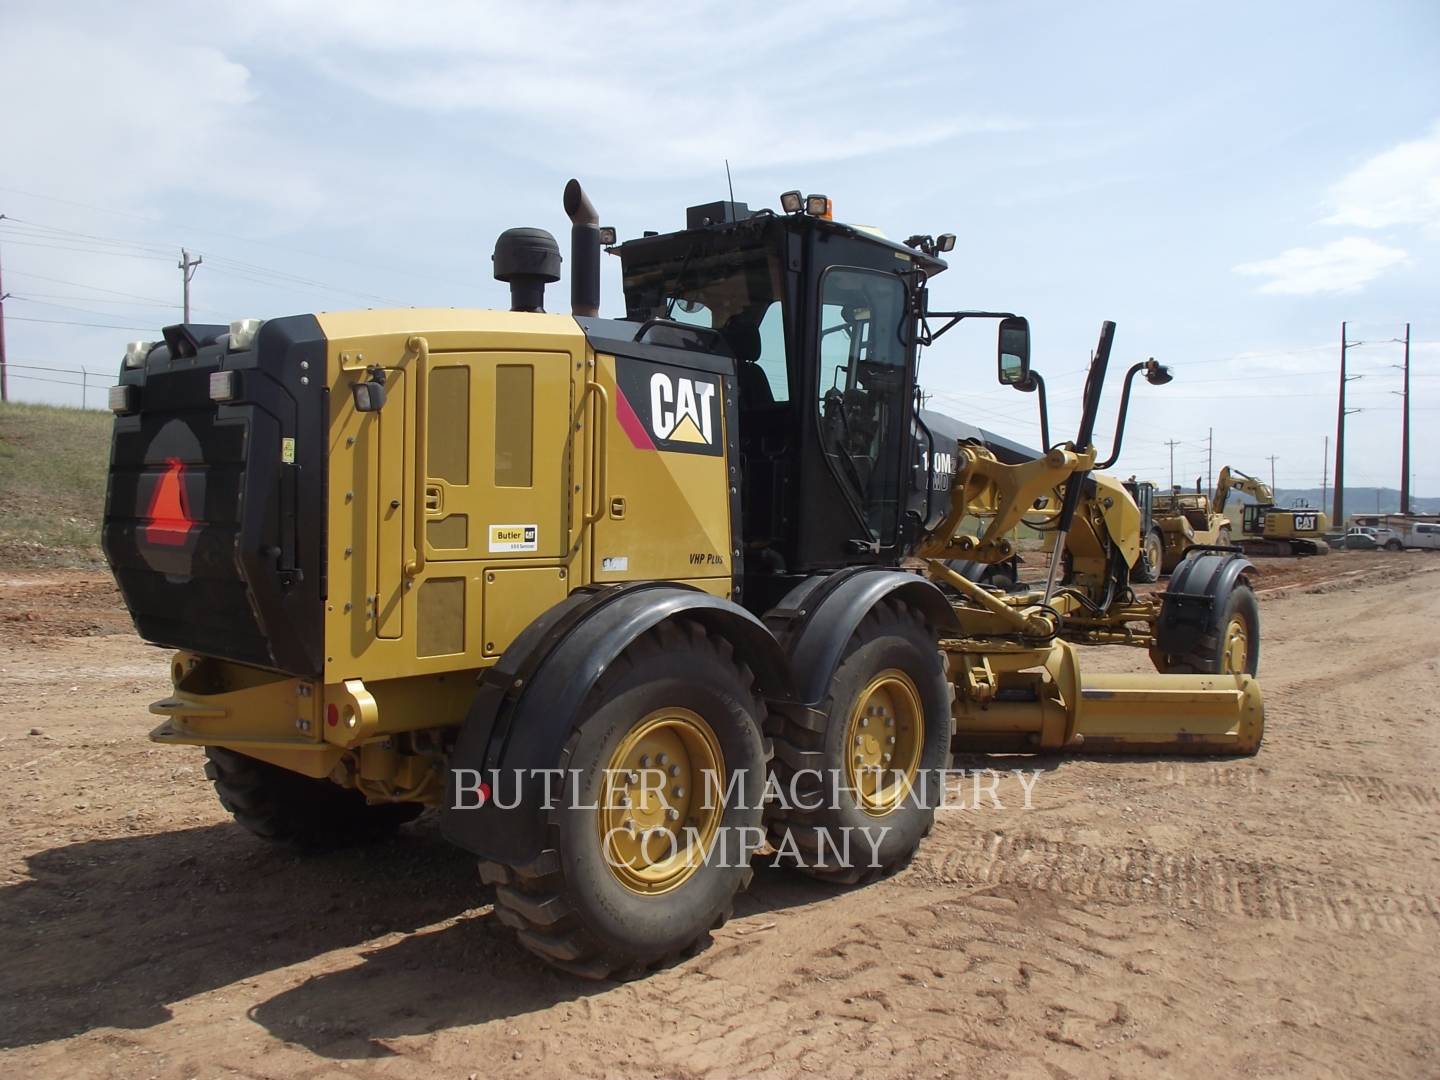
(238,572)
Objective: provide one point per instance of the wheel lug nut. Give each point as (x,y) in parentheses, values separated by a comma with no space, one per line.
(672,814)
(886,759)
(891,740)
(634,778)
(661,759)
(864,721)
(644,760)
(889,721)
(674,770)
(858,740)
(679,793)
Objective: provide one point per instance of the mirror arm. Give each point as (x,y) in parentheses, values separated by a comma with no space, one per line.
(1120,417)
(953,318)
(1045,443)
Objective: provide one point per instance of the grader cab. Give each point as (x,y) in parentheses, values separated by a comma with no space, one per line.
(626,600)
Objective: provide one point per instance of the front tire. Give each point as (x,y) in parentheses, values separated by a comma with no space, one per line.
(1232,646)
(1393,545)
(860,777)
(285,807)
(624,885)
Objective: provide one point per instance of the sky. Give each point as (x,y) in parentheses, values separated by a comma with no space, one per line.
(1228,182)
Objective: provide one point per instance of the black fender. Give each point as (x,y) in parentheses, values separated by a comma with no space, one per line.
(527,703)
(815,619)
(1193,605)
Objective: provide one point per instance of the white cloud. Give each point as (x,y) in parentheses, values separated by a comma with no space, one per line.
(1337,267)
(1398,187)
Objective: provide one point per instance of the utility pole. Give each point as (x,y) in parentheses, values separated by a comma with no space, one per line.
(1405,433)
(1272,472)
(4,379)
(1210,462)
(187,267)
(1338,518)
(1325,474)
(1172,444)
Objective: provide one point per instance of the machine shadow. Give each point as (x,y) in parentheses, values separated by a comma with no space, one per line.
(110,933)
(467,973)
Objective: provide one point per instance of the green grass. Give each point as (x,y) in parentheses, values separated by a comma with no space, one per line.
(52,485)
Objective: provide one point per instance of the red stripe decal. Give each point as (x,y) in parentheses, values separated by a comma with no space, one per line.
(639,437)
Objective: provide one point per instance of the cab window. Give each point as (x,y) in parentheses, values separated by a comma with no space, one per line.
(862,388)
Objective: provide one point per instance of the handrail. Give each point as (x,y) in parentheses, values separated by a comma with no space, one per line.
(601,464)
(419,348)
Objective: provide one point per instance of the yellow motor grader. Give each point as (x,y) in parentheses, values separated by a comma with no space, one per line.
(624,600)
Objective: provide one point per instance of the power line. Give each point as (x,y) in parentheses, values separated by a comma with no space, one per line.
(70,322)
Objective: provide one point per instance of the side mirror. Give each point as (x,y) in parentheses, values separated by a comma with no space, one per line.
(1014,351)
(369,396)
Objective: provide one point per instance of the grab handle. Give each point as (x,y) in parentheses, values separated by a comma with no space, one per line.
(419,348)
(596,509)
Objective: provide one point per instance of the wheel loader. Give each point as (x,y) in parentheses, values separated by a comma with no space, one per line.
(625,601)
(1267,529)
(1186,520)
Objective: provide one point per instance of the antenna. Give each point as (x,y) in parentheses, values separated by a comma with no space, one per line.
(728,182)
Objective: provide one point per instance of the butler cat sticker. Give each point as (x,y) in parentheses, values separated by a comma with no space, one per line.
(675,410)
(514,538)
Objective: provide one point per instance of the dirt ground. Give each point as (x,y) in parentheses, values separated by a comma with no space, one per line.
(1273,916)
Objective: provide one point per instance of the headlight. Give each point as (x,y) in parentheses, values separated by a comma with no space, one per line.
(818,206)
(136,352)
(243,331)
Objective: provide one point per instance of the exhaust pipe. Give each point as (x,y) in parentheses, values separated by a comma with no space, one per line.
(584,251)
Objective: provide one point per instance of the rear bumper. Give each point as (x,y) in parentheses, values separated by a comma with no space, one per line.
(289,721)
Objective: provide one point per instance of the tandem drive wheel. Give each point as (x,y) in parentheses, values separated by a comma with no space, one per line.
(861,775)
(660,813)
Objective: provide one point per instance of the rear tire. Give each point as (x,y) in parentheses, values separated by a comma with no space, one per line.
(1393,545)
(285,807)
(830,814)
(594,903)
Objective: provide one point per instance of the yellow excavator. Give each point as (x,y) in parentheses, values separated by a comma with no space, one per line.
(1267,529)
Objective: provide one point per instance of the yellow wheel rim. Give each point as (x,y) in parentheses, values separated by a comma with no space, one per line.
(1235,649)
(661,801)
(883,741)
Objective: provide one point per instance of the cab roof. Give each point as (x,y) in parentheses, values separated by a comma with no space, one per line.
(719,219)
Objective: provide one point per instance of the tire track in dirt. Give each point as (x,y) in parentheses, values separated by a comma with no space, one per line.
(1248,889)
(1367,789)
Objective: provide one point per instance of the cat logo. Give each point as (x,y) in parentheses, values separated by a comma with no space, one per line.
(680,410)
(671,409)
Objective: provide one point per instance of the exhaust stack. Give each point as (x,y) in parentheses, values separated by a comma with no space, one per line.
(584,251)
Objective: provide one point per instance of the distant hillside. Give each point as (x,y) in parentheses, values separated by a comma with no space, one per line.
(1358,500)
(52,485)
